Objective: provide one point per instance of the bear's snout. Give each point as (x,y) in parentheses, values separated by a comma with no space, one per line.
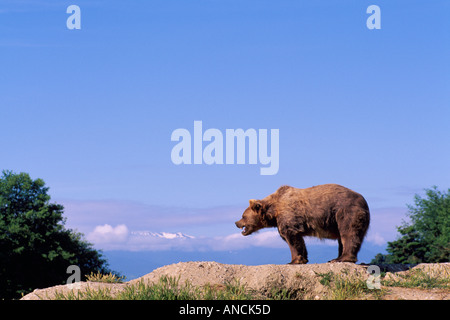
(246,230)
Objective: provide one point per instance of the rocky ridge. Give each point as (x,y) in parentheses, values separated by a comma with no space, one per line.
(308,281)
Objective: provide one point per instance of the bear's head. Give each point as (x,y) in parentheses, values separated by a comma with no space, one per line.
(255,217)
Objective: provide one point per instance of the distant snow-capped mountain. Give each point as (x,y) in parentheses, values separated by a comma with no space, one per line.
(165,235)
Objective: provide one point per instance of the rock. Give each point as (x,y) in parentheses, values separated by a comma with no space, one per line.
(53,293)
(305,281)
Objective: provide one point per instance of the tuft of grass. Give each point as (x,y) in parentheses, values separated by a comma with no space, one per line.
(277,293)
(106,278)
(325,278)
(346,288)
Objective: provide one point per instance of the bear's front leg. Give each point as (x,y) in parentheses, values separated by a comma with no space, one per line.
(298,248)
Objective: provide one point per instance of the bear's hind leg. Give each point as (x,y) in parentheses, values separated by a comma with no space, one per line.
(350,246)
(352,224)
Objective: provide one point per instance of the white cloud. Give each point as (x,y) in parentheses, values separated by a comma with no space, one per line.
(106,234)
(236,241)
(376,238)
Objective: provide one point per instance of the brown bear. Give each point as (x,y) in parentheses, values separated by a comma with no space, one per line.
(326,211)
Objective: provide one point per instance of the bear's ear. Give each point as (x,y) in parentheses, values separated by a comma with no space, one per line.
(255,205)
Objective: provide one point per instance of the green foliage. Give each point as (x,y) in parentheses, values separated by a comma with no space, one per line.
(35,247)
(426,239)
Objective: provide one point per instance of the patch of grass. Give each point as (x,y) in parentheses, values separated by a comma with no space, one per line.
(88,294)
(280,293)
(418,278)
(325,278)
(232,290)
(106,278)
(277,293)
(346,287)
(167,288)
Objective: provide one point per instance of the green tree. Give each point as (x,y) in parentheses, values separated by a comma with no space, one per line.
(35,247)
(426,238)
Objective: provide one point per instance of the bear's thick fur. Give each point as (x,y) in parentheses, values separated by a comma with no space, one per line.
(326,211)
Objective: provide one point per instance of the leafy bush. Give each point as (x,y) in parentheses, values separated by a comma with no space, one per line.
(426,238)
(35,247)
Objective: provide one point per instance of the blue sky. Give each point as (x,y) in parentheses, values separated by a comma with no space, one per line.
(91,111)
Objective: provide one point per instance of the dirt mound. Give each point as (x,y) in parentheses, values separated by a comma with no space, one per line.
(301,281)
(307,281)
